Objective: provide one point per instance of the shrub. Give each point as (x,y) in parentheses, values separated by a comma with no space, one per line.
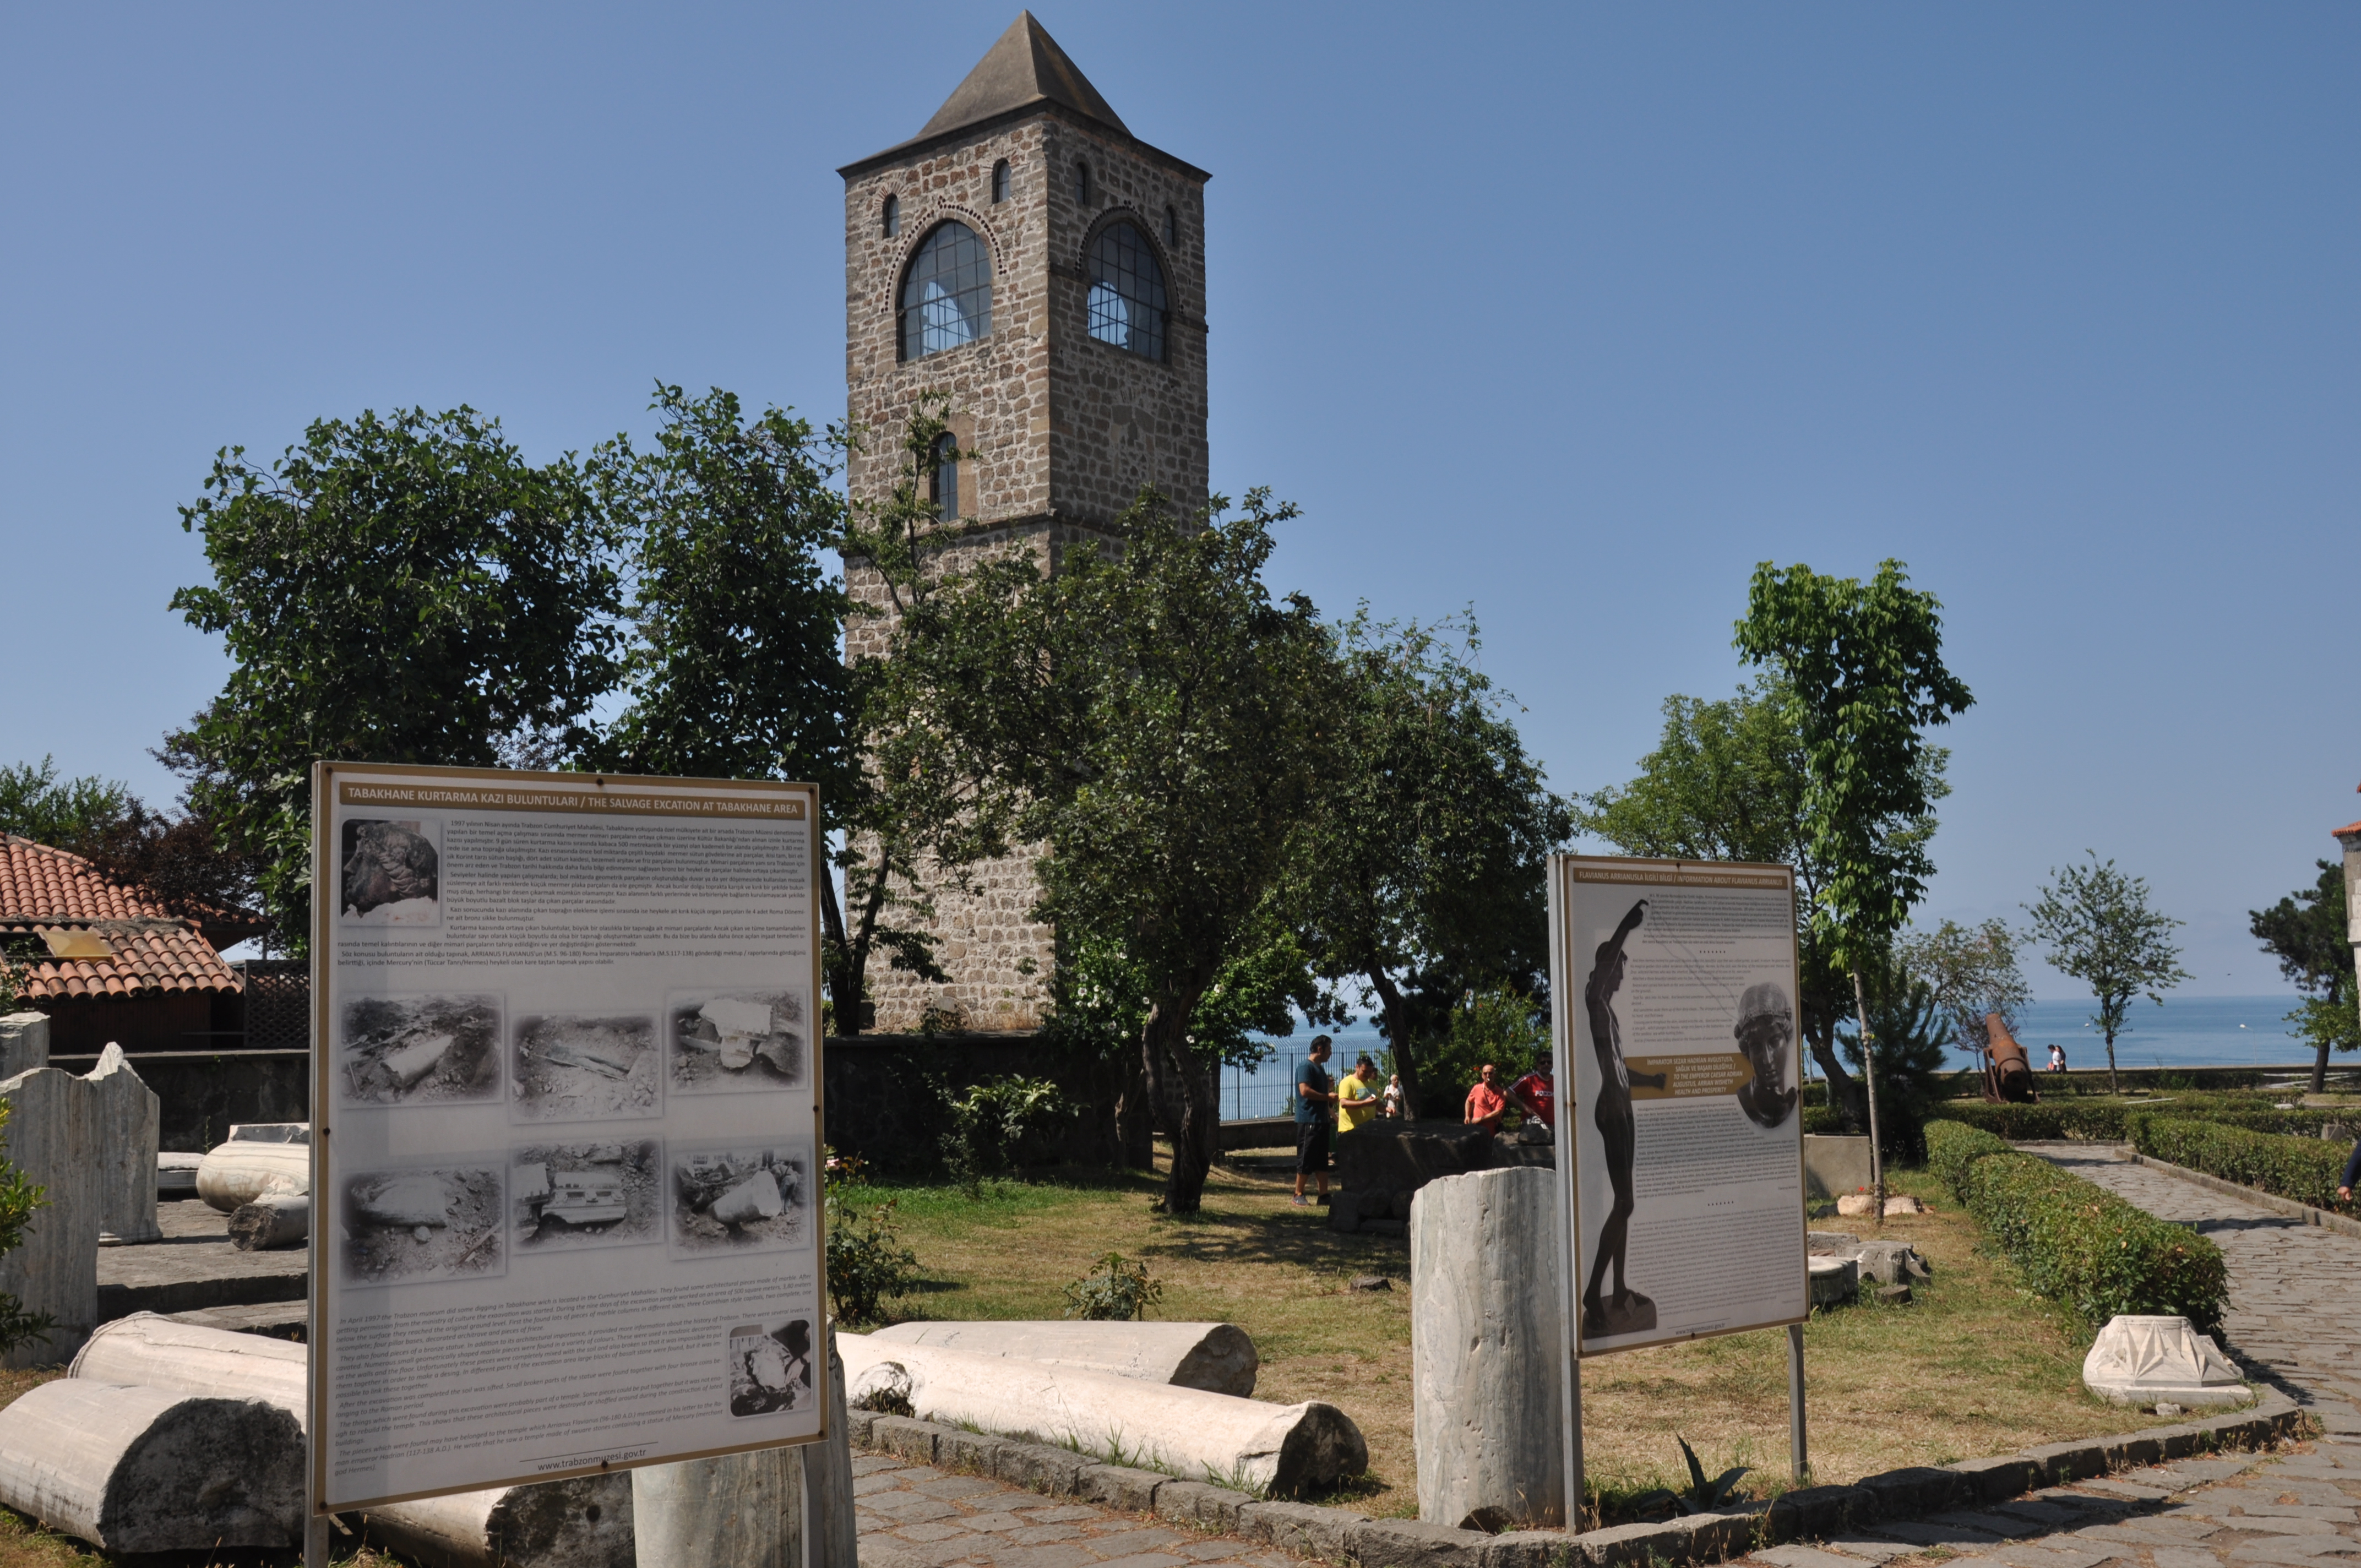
(867,1263)
(990,1121)
(1952,1147)
(2305,1170)
(2050,1119)
(2080,1244)
(1119,1292)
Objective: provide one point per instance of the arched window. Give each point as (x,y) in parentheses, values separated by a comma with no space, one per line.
(1126,291)
(942,486)
(1000,182)
(947,297)
(1082,181)
(1173,228)
(892,216)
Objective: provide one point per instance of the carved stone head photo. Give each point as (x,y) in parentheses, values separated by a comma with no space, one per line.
(1765,1030)
(392,874)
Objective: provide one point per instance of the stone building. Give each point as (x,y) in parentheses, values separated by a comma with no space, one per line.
(1030,257)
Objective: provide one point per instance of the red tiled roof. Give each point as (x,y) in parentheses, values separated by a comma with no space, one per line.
(2348,827)
(42,889)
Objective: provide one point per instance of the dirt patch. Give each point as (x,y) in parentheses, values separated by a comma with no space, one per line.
(391,1236)
(407,1050)
(568,1068)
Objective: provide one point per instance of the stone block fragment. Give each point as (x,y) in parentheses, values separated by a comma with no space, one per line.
(1412,1543)
(53,1138)
(1811,1513)
(24,1043)
(127,1114)
(1217,1357)
(1195,1502)
(1301,1528)
(737,1510)
(1120,1486)
(1920,1489)
(2139,1359)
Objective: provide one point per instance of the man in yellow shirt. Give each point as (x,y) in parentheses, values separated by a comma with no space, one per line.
(1358,1098)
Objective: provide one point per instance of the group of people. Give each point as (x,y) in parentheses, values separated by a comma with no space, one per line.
(1323,1108)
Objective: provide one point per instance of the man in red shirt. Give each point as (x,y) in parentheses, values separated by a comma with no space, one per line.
(1485,1103)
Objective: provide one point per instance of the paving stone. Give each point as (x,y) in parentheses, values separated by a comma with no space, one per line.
(1065,1554)
(892,1480)
(870,1463)
(908,1507)
(932,1529)
(996,1520)
(1042,1534)
(2123,1490)
(1147,1560)
(1803,1557)
(2184,1557)
(955,1485)
(1060,1513)
(1207,1551)
(2053,1551)
(2038,1511)
(1926,1532)
(1864,1546)
(1992,1524)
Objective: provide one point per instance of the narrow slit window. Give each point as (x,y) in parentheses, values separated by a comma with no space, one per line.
(1173,228)
(1082,181)
(1000,182)
(944,486)
(892,216)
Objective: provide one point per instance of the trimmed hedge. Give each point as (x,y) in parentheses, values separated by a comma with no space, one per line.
(1952,1147)
(2109,1121)
(2076,1242)
(2306,1169)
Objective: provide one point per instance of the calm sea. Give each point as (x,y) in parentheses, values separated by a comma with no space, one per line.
(2194,1030)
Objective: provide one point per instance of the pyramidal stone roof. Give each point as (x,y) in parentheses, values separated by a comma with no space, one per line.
(1025,70)
(1025,67)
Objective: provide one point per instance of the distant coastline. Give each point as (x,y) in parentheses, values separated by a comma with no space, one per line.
(2186,1031)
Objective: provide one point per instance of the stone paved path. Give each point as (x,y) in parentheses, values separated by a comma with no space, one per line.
(2295,1315)
(915,1516)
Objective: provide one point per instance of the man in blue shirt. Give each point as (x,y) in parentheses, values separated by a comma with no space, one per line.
(1314,1103)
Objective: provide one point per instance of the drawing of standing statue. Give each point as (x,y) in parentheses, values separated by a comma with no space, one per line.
(1626,1312)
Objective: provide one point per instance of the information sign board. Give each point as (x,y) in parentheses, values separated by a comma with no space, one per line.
(1681,1146)
(566,1110)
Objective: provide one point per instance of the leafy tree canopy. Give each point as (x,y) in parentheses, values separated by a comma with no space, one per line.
(1163,724)
(62,813)
(2101,928)
(1422,874)
(1970,972)
(2306,932)
(401,590)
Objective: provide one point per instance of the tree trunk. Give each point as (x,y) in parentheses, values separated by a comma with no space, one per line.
(2319,1068)
(1135,1121)
(1196,1095)
(844,979)
(1397,1034)
(1844,1094)
(2112,1088)
(1869,1085)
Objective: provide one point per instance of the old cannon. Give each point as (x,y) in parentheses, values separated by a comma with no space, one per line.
(2008,1074)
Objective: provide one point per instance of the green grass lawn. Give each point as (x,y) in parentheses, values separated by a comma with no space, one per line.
(1975,1366)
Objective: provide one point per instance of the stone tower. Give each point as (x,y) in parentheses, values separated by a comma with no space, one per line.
(1028,256)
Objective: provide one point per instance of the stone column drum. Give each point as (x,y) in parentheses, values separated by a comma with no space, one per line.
(740,1511)
(24,1043)
(1486,1338)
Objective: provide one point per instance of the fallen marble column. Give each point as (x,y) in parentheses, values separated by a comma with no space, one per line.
(1216,1358)
(1276,1449)
(585,1522)
(274,1220)
(136,1469)
(162,1353)
(53,1138)
(176,1175)
(1485,1341)
(737,1510)
(128,1113)
(240,1171)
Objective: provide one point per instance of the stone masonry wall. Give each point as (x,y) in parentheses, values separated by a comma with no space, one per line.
(1063,432)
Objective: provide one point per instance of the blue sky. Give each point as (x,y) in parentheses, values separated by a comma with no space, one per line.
(1569,314)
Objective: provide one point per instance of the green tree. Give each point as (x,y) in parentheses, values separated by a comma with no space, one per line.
(1423,873)
(406,589)
(1162,725)
(733,670)
(2306,932)
(1971,971)
(1862,665)
(1727,783)
(1908,1028)
(2100,929)
(64,814)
